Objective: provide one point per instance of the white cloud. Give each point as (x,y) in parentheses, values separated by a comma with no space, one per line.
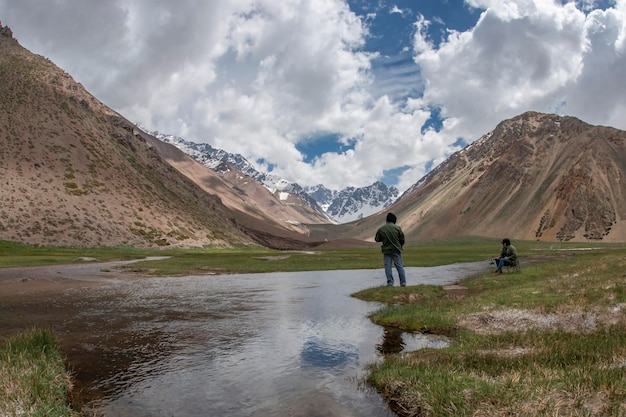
(258,77)
(386,137)
(528,55)
(397,10)
(599,94)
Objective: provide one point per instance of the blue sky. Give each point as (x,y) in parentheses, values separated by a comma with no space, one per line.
(337,92)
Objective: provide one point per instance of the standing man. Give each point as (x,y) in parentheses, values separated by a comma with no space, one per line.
(392,239)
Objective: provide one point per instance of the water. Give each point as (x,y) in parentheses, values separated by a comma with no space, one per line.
(280,344)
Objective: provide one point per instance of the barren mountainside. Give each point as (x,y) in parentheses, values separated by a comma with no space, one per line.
(243,187)
(536,176)
(261,213)
(76,173)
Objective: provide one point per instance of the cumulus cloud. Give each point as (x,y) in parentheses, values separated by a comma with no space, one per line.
(527,55)
(261,77)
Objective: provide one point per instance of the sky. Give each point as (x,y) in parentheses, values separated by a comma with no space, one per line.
(336,92)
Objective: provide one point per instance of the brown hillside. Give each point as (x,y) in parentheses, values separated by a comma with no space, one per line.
(536,176)
(238,191)
(271,221)
(74,173)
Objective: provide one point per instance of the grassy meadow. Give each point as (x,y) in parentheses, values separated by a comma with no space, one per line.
(254,259)
(548,341)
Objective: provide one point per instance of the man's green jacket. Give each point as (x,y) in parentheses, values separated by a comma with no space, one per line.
(511,253)
(392,238)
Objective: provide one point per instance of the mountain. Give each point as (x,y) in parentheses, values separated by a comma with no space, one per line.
(224,162)
(536,176)
(353,203)
(76,173)
(263,213)
(341,206)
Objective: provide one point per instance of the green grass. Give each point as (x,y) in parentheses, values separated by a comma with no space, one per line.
(257,259)
(572,364)
(253,260)
(33,378)
(18,255)
(237,260)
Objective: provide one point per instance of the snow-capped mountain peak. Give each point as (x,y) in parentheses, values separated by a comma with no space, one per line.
(342,206)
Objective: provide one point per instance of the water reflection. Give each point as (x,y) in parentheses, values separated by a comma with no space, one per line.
(392,342)
(321,354)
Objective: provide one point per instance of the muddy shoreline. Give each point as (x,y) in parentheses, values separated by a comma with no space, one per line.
(18,281)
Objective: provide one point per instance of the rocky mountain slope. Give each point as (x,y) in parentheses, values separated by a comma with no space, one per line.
(75,173)
(536,176)
(261,211)
(234,166)
(341,206)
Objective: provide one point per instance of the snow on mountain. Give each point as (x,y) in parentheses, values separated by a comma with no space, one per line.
(341,206)
(352,203)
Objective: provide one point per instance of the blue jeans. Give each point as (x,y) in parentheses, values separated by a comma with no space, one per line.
(503,262)
(395,259)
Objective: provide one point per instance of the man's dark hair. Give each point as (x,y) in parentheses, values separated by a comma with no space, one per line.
(506,241)
(391,218)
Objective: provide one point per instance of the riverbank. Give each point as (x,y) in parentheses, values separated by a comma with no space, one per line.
(550,340)
(33,378)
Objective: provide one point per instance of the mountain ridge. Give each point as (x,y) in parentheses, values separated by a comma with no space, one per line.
(341,206)
(534,177)
(76,173)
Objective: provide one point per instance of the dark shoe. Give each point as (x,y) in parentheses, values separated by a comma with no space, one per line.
(403,285)
(497,273)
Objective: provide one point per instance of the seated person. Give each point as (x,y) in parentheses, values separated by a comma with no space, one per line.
(508,256)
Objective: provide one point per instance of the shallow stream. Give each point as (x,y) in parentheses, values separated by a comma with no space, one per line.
(279,344)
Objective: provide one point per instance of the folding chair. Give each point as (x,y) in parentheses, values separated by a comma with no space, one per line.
(514,268)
